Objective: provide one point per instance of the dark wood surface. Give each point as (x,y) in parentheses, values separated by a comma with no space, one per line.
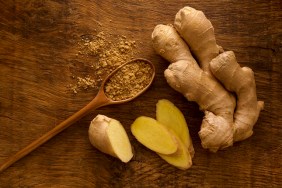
(38,47)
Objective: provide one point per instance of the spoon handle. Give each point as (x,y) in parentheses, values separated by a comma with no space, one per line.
(97,102)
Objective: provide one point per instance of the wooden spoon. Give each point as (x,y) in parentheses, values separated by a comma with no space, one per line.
(100,100)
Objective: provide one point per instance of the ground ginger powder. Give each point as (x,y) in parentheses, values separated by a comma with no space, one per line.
(129,81)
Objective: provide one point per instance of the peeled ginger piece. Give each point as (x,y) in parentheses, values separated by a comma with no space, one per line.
(181,158)
(154,135)
(108,136)
(162,140)
(171,117)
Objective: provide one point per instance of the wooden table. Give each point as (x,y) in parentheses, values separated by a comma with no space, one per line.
(38,55)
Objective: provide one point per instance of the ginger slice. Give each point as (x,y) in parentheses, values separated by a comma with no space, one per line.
(154,135)
(108,135)
(171,117)
(163,141)
(181,158)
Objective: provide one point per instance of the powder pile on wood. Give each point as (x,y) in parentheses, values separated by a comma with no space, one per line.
(106,52)
(129,80)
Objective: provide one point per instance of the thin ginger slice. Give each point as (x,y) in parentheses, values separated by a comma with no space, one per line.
(154,135)
(181,158)
(158,137)
(171,117)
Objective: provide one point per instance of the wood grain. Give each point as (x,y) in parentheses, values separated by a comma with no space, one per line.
(38,55)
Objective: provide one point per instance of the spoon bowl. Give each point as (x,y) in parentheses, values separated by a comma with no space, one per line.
(100,100)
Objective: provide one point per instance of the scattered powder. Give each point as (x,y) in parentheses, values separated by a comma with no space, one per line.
(84,83)
(130,80)
(107,52)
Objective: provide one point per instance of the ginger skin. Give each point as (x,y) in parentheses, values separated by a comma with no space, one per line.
(222,124)
(191,22)
(242,82)
(186,77)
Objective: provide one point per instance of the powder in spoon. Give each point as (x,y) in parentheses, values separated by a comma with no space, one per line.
(129,80)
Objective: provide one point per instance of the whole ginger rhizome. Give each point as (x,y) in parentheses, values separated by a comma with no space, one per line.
(210,80)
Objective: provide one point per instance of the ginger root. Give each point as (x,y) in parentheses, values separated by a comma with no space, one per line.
(226,120)
(185,76)
(108,135)
(242,82)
